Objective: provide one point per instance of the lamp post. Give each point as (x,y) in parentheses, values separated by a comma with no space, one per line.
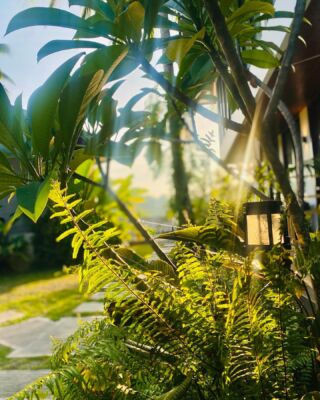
(263,225)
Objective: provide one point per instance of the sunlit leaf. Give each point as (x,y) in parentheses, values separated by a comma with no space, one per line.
(60,45)
(45,16)
(33,197)
(131,20)
(260,58)
(43,104)
(177,49)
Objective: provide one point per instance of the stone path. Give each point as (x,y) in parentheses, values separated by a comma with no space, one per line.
(32,338)
(90,307)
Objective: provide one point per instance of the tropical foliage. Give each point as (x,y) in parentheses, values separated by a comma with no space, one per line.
(205,321)
(121,37)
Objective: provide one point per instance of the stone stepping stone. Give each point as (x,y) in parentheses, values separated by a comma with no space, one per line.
(90,307)
(42,346)
(33,338)
(13,381)
(10,315)
(98,296)
(20,335)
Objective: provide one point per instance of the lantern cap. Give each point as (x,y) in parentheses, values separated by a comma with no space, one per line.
(263,207)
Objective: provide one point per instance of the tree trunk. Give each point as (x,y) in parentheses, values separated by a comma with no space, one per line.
(180,178)
(182,201)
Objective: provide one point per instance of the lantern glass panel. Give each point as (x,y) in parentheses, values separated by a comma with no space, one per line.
(257,229)
(276,228)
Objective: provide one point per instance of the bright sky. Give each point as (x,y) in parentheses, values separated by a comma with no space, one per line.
(27,74)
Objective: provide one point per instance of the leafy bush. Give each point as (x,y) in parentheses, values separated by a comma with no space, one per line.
(13,251)
(215,325)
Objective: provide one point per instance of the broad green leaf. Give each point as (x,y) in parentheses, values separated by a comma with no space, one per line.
(46,16)
(249,9)
(107,116)
(99,27)
(19,123)
(152,9)
(278,28)
(75,99)
(85,85)
(60,45)
(97,5)
(260,58)
(4,161)
(244,29)
(43,104)
(8,180)
(277,14)
(78,157)
(115,60)
(126,66)
(6,138)
(131,21)
(5,107)
(33,197)
(107,58)
(267,46)
(177,49)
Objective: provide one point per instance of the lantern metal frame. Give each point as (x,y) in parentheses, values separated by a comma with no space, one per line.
(267,208)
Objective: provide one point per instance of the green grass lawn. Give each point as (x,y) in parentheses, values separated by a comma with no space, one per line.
(48,294)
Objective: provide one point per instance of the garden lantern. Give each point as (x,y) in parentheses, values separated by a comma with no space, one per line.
(263,225)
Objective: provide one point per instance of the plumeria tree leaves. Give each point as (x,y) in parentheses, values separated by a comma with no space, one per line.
(47,17)
(33,197)
(101,7)
(250,9)
(43,105)
(152,12)
(60,45)
(260,58)
(178,48)
(131,21)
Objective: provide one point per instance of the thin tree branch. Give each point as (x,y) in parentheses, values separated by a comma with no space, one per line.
(228,80)
(232,57)
(271,152)
(281,174)
(135,222)
(178,95)
(295,135)
(286,61)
